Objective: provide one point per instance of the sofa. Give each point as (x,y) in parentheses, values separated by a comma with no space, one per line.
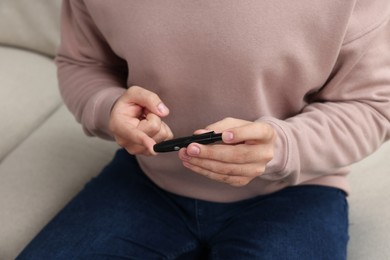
(45,158)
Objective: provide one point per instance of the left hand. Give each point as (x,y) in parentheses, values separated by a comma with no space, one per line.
(247,148)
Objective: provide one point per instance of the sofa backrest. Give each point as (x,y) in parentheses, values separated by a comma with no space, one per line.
(30,24)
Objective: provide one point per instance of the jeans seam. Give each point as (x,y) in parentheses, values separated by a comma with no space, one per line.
(198,224)
(185,249)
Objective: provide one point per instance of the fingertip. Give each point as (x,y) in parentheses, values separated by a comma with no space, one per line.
(228,136)
(201,131)
(193,149)
(151,150)
(148,143)
(162,109)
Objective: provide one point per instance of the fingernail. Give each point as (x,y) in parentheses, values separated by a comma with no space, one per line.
(162,108)
(193,150)
(228,136)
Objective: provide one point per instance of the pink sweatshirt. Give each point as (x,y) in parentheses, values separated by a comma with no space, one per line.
(318,71)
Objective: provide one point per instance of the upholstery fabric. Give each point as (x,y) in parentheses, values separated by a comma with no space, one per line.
(29,93)
(30,24)
(40,177)
(369,207)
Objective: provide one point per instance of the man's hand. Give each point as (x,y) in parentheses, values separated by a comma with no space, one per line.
(136,123)
(248,147)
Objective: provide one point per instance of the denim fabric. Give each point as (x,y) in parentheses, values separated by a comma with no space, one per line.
(121,214)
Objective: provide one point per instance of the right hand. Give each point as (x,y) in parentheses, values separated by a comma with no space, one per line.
(136,123)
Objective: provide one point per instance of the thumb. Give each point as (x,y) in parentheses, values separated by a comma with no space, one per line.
(147,99)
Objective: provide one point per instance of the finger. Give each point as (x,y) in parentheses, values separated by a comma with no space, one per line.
(136,149)
(227,123)
(151,125)
(237,181)
(201,131)
(239,154)
(260,132)
(144,148)
(222,168)
(136,137)
(155,128)
(164,134)
(132,147)
(147,99)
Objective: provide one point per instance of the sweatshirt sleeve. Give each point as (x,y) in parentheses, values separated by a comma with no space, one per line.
(91,77)
(345,120)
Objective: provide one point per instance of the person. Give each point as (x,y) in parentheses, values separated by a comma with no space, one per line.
(299,91)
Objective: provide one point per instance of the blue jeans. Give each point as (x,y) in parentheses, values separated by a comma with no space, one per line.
(121,214)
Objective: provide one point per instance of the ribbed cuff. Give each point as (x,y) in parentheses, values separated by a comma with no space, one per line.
(98,111)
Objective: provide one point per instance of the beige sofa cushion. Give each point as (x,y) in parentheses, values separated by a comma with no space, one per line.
(369,207)
(29,94)
(39,177)
(30,24)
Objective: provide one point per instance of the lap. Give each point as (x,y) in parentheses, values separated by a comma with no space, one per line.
(121,214)
(308,222)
